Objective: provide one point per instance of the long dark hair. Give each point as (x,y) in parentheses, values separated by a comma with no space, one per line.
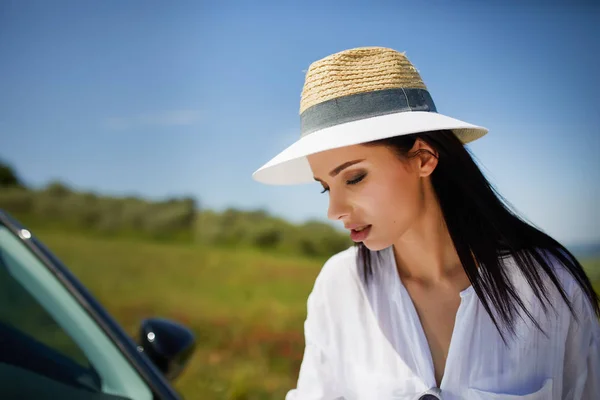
(484,230)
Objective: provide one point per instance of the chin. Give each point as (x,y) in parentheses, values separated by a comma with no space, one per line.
(376,245)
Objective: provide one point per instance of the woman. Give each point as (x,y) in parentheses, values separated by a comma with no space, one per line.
(448,294)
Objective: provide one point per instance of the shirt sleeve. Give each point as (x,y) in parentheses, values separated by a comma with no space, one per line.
(317,379)
(581,372)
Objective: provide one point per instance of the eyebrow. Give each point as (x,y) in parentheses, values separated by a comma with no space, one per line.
(341,167)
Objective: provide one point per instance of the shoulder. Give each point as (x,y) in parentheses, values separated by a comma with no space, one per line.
(343,262)
(337,276)
(565,279)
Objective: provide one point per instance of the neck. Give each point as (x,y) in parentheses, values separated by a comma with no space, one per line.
(425,253)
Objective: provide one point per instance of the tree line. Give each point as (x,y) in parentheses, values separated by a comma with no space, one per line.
(56,206)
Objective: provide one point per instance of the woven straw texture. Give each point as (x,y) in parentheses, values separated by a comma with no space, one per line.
(358,70)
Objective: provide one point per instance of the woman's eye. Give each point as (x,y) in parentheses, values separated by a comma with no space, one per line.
(349,182)
(356,180)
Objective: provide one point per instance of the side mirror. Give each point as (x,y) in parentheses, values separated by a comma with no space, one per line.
(168,344)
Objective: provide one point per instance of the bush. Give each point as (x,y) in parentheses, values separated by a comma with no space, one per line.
(8,177)
(57,190)
(16,200)
(268,238)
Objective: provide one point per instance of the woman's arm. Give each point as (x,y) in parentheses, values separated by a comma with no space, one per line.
(317,379)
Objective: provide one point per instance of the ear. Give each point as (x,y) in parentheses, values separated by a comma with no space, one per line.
(425,157)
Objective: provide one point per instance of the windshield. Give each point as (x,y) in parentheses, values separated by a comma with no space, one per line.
(47,340)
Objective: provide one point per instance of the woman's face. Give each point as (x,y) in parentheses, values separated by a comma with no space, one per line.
(370,186)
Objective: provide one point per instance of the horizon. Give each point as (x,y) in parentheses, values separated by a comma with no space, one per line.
(187,99)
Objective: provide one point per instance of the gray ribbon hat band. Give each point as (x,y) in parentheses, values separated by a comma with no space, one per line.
(364,105)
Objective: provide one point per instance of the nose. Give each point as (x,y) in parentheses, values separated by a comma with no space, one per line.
(339,207)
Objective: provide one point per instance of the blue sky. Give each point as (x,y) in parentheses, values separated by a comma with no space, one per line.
(165,99)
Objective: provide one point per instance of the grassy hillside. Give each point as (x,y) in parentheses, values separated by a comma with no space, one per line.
(246,307)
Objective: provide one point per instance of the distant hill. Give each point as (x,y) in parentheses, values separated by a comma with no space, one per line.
(585,250)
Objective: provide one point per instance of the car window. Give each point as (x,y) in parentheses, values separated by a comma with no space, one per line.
(48,342)
(26,327)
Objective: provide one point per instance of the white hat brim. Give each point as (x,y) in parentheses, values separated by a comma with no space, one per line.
(291,166)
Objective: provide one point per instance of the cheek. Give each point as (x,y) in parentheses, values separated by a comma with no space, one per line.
(397,204)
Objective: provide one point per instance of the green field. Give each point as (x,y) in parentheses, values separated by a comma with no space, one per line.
(246,307)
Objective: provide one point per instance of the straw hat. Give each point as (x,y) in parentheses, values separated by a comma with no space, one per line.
(357,96)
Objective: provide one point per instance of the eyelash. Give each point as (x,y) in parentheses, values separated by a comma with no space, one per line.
(350,182)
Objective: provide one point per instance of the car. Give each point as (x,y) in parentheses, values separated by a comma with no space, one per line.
(58,342)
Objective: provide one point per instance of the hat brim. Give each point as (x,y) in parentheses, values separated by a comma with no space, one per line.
(291,167)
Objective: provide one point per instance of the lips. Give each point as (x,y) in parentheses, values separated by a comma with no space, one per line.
(360,233)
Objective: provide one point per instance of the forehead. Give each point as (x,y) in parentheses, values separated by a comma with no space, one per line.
(323,162)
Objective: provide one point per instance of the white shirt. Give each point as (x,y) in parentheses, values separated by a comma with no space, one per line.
(366,342)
